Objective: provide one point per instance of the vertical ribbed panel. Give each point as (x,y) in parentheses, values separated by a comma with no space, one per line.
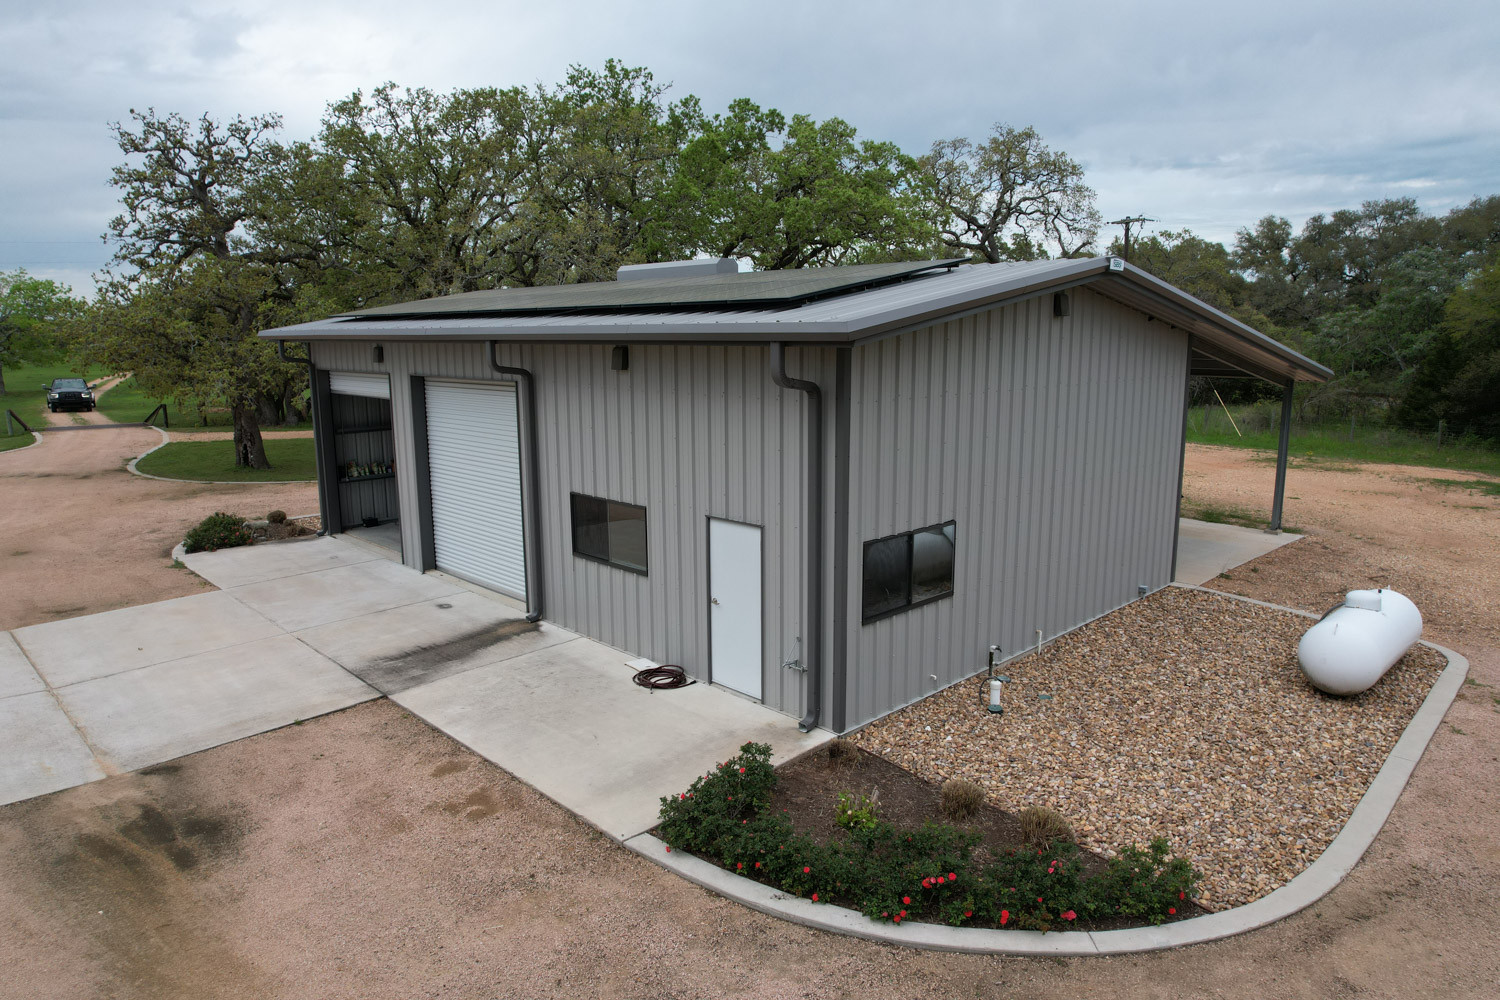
(690,433)
(1052,442)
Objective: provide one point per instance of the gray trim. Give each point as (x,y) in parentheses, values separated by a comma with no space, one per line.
(427,555)
(323,451)
(842,391)
(1182,458)
(1283,443)
(531,511)
(850,318)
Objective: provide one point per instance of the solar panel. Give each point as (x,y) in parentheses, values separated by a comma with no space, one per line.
(750,288)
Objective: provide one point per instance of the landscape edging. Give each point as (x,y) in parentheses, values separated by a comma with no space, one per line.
(1309,886)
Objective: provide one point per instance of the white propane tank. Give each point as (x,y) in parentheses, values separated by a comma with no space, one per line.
(1357,642)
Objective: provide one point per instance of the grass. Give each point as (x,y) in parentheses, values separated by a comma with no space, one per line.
(126,403)
(1328,444)
(25,395)
(213,461)
(1481,486)
(1227,514)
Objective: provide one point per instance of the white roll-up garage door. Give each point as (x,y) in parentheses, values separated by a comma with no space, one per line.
(474,457)
(360,384)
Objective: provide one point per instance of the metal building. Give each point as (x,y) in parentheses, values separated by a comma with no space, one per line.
(831,490)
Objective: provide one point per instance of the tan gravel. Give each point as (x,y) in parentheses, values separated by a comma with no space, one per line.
(1183,715)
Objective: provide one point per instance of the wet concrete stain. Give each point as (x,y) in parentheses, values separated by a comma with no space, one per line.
(421,664)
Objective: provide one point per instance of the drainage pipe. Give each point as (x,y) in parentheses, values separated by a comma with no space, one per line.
(814,644)
(532,528)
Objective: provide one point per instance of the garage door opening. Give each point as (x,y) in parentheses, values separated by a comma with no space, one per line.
(365,458)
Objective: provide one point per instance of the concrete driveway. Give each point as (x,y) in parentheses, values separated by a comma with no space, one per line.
(302,628)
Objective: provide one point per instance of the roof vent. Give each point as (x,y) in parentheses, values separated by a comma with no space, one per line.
(679,269)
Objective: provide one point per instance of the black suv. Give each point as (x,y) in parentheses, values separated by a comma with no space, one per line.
(69,394)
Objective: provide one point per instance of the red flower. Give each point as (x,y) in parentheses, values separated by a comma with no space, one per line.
(1049,871)
(941,880)
(1039,899)
(897,918)
(952,877)
(1070,915)
(815,897)
(738,865)
(742,770)
(757,864)
(906,900)
(680,796)
(902,913)
(1182,895)
(1171,909)
(1004,917)
(806,870)
(927,883)
(669,848)
(968,913)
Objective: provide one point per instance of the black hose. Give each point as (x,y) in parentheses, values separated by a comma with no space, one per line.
(663,678)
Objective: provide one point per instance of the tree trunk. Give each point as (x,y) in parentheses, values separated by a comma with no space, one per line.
(2,381)
(249,449)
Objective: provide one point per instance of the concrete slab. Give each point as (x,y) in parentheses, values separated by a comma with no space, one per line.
(1204,550)
(17,676)
(79,649)
(43,752)
(569,721)
(169,709)
(240,567)
(307,600)
(407,646)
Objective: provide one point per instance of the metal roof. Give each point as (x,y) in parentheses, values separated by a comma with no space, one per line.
(735,290)
(853,315)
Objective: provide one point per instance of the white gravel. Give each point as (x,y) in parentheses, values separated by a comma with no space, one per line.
(1184,715)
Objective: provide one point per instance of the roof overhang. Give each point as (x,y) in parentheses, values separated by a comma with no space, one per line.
(1221,345)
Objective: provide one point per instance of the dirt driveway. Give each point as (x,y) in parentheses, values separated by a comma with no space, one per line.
(79,534)
(364,855)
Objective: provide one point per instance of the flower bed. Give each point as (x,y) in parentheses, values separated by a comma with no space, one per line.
(930,873)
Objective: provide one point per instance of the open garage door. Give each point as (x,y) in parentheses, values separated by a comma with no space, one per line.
(474,460)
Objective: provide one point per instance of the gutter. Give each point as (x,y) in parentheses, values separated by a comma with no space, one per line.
(814,644)
(532,527)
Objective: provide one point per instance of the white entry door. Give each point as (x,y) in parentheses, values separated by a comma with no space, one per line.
(734,614)
(474,460)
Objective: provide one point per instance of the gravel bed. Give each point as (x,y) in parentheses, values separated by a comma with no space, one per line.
(1183,715)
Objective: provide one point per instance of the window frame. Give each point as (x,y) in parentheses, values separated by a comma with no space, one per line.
(573,497)
(910,604)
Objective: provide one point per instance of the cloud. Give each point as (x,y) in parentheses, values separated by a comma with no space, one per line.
(1203,116)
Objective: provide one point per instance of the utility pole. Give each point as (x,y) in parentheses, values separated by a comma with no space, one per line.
(1127,222)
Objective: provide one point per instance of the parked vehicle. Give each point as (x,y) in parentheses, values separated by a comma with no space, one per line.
(69,394)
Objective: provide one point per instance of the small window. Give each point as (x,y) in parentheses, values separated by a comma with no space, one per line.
(907,570)
(609,532)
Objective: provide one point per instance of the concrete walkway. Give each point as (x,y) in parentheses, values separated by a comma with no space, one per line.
(303,628)
(1204,549)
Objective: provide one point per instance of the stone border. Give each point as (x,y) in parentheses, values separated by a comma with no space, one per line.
(166,439)
(1311,885)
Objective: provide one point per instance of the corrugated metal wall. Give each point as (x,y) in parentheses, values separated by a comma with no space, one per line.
(688,432)
(1053,442)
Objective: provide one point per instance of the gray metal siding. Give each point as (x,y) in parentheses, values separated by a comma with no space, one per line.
(689,432)
(1054,444)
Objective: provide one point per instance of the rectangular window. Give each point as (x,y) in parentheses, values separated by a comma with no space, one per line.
(609,532)
(908,570)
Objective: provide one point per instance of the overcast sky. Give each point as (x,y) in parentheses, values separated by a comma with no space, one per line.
(1201,115)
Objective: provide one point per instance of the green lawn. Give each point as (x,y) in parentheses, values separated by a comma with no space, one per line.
(25,395)
(291,459)
(127,404)
(1330,443)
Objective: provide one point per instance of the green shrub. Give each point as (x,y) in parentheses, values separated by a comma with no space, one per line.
(217,531)
(857,811)
(928,873)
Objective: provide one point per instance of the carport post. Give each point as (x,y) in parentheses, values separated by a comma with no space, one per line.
(1282,446)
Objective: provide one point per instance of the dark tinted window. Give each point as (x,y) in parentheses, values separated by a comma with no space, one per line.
(610,532)
(909,569)
(69,383)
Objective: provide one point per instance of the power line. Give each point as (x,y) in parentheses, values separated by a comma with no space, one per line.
(1127,222)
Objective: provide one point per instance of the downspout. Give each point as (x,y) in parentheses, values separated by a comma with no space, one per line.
(814,644)
(533,501)
(319,463)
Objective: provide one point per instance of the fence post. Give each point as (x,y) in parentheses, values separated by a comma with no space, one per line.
(1442,425)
